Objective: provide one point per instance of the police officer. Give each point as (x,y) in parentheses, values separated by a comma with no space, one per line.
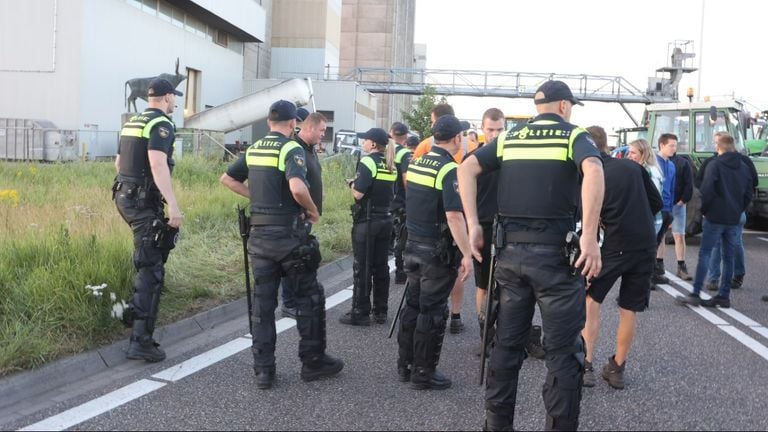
(280,245)
(436,227)
(144,164)
(540,165)
(399,133)
(372,188)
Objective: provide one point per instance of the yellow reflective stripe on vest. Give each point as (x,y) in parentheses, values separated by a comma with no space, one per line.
(284,150)
(535,153)
(267,161)
(386,175)
(574,134)
(131,132)
(370,164)
(148,128)
(442,173)
(421,179)
(422,169)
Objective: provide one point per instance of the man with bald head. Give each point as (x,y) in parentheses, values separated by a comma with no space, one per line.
(540,165)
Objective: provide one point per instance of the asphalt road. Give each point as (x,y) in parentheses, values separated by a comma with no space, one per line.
(686,371)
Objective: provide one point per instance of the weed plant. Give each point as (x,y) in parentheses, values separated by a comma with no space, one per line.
(61,234)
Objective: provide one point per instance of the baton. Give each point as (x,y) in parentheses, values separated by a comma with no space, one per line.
(488,302)
(244,226)
(397,314)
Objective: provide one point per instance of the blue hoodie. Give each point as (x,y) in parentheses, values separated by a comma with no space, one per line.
(668,187)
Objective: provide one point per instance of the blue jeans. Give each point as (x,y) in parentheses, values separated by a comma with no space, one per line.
(713,234)
(738,258)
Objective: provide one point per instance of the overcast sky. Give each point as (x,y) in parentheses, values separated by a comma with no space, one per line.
(599,37)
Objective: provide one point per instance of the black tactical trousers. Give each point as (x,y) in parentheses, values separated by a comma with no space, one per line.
(147,259)
(424,315)
(400,237)
(527,274)
(375,262)
(272,252)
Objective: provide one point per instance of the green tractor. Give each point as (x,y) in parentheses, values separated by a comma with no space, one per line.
(695,124)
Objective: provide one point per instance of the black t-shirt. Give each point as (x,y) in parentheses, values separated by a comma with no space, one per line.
(629,204)
(487,194)
(314,174)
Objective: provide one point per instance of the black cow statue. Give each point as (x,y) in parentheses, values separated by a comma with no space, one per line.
(139,86)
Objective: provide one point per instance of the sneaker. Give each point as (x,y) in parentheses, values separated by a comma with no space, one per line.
(265,377)
(682,272)
(737,282)
(427,379)
(380,317)
(400,277)
(588,379)
(690,299)
(614,374)
(288,312)
(323,366)
(457,326)
(712,286)
(404,373)
(716,301)
(351,318)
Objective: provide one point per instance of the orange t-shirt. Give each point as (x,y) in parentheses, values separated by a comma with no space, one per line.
(425,146)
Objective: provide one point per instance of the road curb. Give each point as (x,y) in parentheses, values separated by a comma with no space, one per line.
(48,378)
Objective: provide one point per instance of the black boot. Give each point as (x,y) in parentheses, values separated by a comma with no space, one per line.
(426,355)
(497,422)
(321,366)
(534,347)
(658,273)
(355,318)
(265,377)
(429,379)
(142,346)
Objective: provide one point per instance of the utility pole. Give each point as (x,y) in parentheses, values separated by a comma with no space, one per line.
(701,50)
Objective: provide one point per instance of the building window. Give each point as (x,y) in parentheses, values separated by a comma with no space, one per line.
(221,38)
(149,6)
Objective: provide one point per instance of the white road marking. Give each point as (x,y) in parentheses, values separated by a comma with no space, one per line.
(723,325)
(763,239)
(100,405)
(109,401)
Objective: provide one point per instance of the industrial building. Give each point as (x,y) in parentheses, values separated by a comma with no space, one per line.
(65,64)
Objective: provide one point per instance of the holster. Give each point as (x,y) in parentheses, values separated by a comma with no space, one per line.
(305,258)
(163,235)
(572,250)
(446,248)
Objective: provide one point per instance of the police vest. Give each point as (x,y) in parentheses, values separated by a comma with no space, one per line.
(424,198)
(269,189)
(382,190)
(400,153)
(134,141)
(537,161)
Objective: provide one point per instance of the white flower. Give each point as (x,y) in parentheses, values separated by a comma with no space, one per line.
(112,297)
(117,310)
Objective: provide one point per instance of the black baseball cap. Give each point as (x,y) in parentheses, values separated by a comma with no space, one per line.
(553,91)
(161,87)
(399,129)
(377,135)
(447,127)
(302,113)
(283,110)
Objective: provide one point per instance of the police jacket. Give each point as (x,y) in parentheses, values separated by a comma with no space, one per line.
(432,189)
(150,130)
(683,179)
(626,217)
(539,169)
(726,189)
(402,158)
(268,164)
(376,182)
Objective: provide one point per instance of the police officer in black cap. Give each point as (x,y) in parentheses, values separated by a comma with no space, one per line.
(280,245)
(540,166)
(372,188)
(399,133)
(436,227)
(144,164)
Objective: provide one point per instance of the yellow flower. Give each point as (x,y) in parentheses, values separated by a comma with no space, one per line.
(10,195)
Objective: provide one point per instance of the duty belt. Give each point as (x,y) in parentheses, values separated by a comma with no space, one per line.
(273,219)
(128,179)
(420,239)
(545,238)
